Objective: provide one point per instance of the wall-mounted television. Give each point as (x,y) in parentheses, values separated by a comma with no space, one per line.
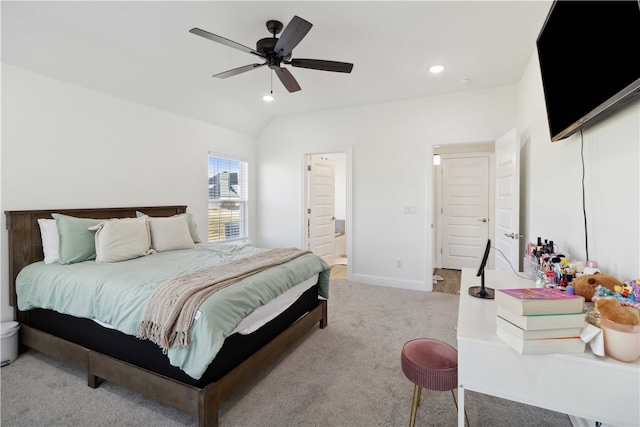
(589,53)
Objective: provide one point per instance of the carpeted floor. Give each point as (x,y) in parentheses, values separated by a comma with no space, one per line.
(345,375)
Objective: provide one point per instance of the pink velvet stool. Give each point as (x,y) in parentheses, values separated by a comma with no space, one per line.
(429,364)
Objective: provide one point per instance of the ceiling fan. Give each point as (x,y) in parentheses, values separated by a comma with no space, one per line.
(277,51)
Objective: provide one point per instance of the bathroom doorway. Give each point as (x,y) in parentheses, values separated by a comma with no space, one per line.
(336,164)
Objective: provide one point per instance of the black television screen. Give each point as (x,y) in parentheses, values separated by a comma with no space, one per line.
(589,53)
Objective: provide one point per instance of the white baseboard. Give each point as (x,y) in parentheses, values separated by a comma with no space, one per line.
(392,282)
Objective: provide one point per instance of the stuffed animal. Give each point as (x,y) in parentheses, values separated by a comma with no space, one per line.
(586,285)
(612,309)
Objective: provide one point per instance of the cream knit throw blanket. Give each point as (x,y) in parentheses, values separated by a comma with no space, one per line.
(172,306)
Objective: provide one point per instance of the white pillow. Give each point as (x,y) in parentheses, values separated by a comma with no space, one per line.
(50,240)
(170,233)
(193,228)
(122,239)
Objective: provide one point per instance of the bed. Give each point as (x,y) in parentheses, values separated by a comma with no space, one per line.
(108,354)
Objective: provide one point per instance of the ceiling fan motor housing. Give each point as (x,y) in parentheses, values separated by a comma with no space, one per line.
(266,46)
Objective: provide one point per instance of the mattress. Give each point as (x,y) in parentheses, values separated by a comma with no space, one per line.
(145,354)
(116,293)
(263,314)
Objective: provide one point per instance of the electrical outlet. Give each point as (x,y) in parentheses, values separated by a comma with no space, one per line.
(398,263)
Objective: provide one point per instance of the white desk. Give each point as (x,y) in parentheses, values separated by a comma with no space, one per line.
(584,385)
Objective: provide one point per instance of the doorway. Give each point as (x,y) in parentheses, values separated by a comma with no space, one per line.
(317,217)
(464,204)
(321,219)
(504,213)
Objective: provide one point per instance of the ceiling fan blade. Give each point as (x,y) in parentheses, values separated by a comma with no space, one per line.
(291,36)
(287,79)
(222,40)
(319,64)
(237,71)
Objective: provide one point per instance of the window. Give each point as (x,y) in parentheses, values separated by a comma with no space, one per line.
(227,199)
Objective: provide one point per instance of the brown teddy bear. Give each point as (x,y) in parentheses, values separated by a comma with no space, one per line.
(611,309)
(586,285)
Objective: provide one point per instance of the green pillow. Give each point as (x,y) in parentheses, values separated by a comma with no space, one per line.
(77,242)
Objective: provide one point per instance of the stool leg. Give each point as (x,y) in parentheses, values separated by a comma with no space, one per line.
(415,402)
(456,403)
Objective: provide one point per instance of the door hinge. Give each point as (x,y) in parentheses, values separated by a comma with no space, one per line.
(308,211)
(309,168)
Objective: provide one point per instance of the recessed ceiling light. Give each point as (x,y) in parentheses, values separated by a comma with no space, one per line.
(435,69)
(268,97)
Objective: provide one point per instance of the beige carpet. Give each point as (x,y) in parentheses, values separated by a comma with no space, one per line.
(345,375)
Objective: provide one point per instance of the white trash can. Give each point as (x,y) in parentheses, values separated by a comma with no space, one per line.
(9,347)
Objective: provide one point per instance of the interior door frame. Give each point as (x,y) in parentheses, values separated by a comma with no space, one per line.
(348,152)
(430,241)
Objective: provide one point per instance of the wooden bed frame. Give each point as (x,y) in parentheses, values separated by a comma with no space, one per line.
(25,247)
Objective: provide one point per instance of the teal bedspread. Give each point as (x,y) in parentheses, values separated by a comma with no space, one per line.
(116,293)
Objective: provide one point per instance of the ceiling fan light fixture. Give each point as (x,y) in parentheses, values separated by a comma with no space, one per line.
(268,97)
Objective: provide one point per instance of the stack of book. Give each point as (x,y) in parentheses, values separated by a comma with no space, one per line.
(540,320)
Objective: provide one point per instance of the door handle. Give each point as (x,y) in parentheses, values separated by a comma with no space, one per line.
(483,219)
(513,235)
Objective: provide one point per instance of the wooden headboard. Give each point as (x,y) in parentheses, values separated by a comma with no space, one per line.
(25,242)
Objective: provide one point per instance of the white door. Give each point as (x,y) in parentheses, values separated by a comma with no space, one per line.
(507,217)
(465,210)
(321,211)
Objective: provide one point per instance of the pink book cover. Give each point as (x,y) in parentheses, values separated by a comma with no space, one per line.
(538,293)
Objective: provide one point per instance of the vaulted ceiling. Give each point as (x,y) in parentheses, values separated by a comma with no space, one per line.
(143,51)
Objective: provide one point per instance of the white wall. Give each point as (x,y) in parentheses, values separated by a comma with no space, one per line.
(391,169)
(551,183)
(64,146)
